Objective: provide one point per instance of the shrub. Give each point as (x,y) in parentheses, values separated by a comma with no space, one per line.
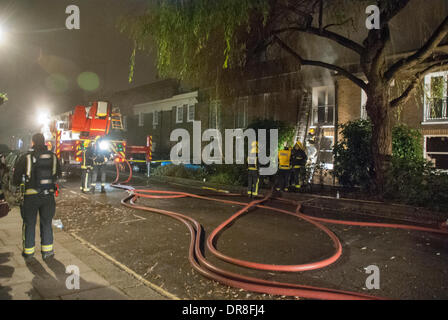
(410,178)
(353,164)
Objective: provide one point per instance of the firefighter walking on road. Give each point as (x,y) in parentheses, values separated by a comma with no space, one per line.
(100,157)
(298,161)
(86,166)
(38,170)
(253,174)
(284,169)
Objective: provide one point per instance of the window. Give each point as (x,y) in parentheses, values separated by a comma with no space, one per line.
(215,114)
(326,152)
(125,122)
(436,151)
(436,97)
(190,113)
(141,119)
(323,106)
(241,112)
(179,114)
(363,105)
(155,118)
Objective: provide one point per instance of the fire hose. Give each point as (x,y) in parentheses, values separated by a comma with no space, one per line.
(207,269)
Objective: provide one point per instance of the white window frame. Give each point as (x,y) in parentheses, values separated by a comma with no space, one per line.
(179,112)
(363,114)
(191,108)
(425,154)
(428,77)
(315,96)
(141,119)
(155,118)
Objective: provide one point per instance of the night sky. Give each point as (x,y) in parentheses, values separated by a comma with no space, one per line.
(45,65)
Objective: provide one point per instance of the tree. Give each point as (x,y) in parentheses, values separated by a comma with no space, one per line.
(196,39)
(3,98)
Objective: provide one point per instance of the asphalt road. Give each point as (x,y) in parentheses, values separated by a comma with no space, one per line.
(412,264)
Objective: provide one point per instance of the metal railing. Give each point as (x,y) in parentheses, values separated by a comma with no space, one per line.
(436,109)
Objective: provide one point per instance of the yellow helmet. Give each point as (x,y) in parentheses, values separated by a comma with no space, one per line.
(298,143)
(312,131)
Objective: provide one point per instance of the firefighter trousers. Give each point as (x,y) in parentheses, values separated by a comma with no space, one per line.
(86,179)
(45,207)
(98,169)
(297,176)
(253,182)
(283,179)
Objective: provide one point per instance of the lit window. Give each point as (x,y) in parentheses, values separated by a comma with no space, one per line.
(191,113)
(363,105)
(436,97)
(323,106)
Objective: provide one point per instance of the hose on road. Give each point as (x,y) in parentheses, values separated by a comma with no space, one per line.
(207,269)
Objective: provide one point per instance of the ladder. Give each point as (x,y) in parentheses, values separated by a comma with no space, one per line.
(116,121)
(303,117)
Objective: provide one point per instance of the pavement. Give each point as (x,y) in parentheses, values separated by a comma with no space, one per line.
(100,277)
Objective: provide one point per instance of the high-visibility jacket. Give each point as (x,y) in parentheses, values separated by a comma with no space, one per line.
(284,159)
(252,162)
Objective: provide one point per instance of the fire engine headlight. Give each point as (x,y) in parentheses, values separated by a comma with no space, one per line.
(104,145)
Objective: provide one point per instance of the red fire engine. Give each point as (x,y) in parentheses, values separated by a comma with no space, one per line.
(70,132)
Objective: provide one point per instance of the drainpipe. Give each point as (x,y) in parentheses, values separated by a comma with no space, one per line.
(336,119)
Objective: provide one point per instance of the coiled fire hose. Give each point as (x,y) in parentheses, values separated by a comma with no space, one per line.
(204,267)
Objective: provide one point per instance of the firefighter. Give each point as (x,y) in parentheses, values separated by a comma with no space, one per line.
(100,157)
(284,169)
(252,167)
(298,161)
(86,166)
(38,170)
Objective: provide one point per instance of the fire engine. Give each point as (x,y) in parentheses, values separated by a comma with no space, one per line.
(69,133)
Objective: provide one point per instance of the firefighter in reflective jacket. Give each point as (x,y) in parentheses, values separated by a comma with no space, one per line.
(86,166)
(38,170)
(252,167)
(298,160)
(100,158)
(284,169)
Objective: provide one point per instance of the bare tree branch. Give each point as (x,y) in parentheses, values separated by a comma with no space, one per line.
(321,64)
(422,54)
(407,94)
(345,42)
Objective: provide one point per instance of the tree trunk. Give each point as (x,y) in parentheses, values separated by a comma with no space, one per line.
(378,110)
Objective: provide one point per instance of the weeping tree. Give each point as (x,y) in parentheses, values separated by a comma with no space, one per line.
(197,39)
(3,98)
